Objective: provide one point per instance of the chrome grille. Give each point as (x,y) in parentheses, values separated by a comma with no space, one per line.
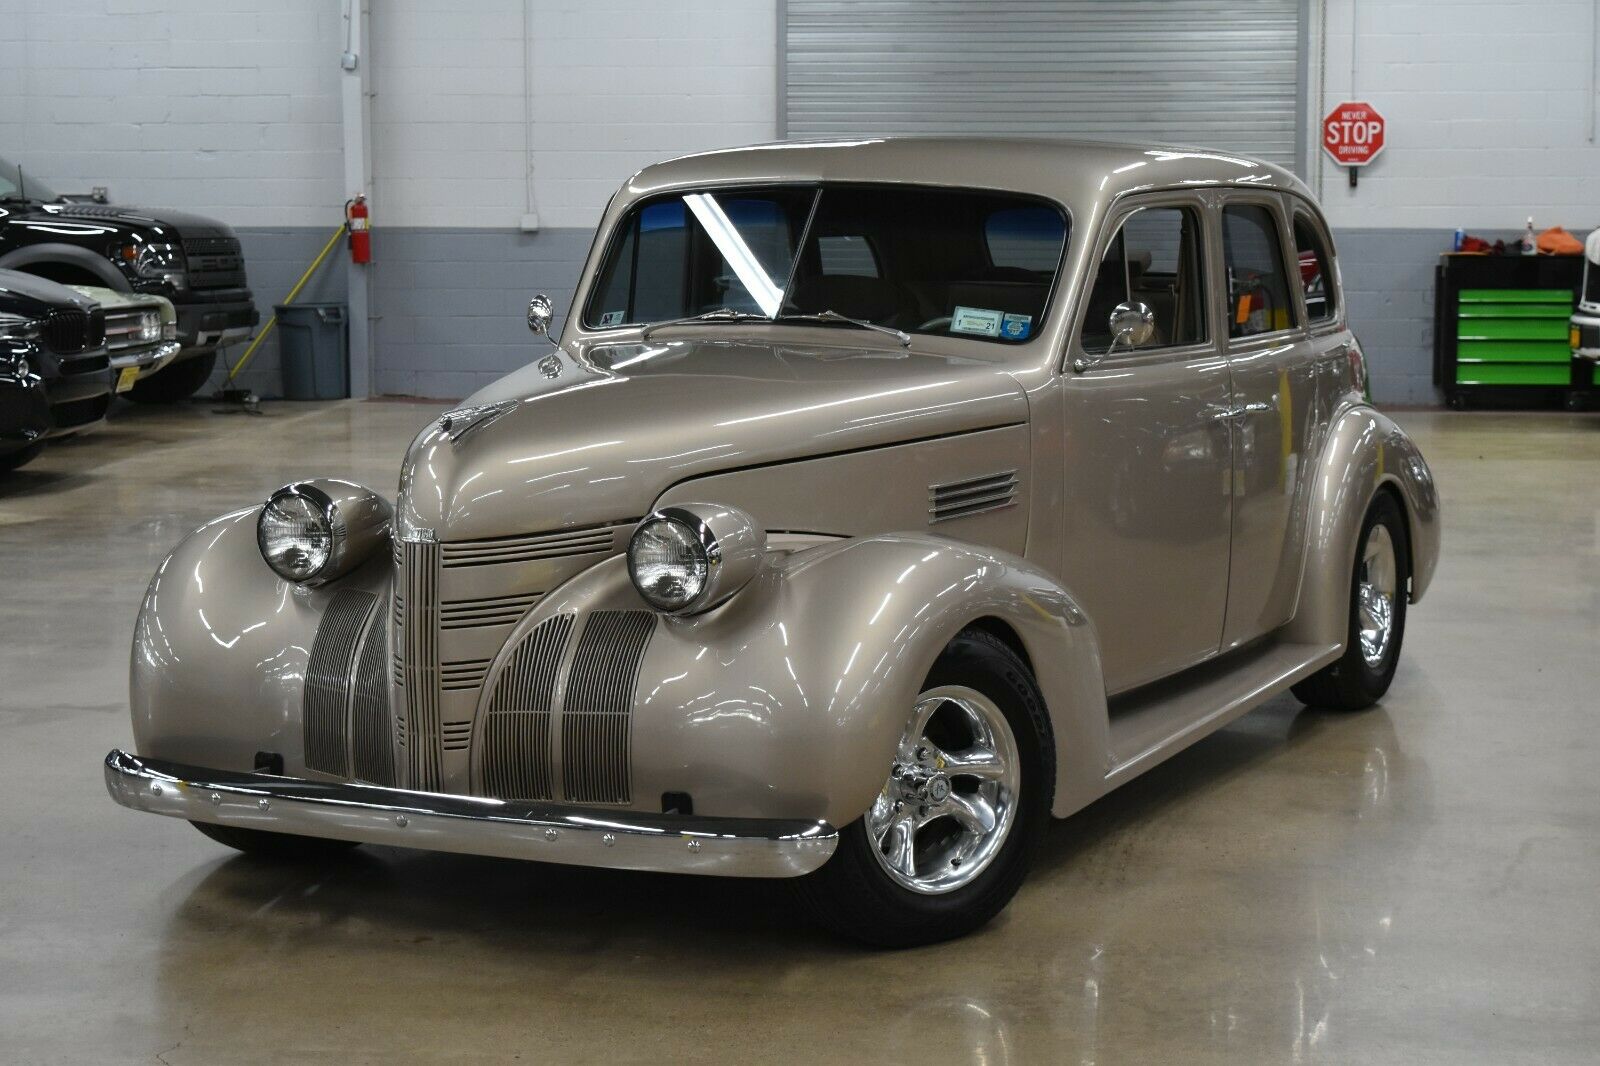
(371,739)
(958,499)
(537,546)
(597,708)
(125,329)
(325,698)
(417,638)
(515,740)
(491,611)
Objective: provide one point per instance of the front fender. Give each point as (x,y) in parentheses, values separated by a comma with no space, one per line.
(788,700)
(220,650)
(1365,451)
(51,254)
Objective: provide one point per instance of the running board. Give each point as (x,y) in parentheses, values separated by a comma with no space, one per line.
(1155,722)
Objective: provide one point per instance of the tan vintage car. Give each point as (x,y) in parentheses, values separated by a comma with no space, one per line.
(882,500)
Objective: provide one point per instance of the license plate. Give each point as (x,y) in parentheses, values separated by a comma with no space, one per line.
(126,377)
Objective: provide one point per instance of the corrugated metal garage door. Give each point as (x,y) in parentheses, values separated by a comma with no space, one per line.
(1221,74)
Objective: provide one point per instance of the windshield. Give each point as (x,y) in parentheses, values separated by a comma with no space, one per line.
(933,261)
(15,183)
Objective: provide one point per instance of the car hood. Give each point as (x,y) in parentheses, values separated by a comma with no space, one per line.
(30,295)
(595,435)
(165,220)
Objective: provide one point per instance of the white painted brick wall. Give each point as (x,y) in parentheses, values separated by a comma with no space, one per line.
(615,84)
(1488,112)
(226,108)
(233,109)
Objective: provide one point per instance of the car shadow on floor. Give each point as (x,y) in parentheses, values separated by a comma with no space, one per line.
(383,897)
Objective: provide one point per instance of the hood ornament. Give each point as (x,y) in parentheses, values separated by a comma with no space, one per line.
(463,420)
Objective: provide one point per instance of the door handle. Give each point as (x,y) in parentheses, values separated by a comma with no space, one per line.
(1216,413)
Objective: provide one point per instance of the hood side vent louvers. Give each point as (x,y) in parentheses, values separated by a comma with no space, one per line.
(959,499)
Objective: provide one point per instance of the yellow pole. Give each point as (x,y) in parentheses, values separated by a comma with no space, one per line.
(289,299)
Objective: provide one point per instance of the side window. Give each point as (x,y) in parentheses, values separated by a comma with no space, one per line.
(1316,270)
(847,256)
(1155,259)
(1258,285)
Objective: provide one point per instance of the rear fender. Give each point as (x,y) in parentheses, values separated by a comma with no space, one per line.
(1365,452)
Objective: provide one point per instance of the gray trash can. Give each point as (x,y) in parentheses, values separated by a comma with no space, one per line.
(313,351)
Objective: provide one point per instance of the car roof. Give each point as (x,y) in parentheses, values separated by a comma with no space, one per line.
(1066,170)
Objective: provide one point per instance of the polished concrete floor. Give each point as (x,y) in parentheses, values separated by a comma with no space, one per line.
(1417,883)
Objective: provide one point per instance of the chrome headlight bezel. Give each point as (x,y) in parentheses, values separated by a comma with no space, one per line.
(731,550)
(355,520)
(18,327)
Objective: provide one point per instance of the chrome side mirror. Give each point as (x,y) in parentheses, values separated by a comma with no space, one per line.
(540,311)
(1132,325)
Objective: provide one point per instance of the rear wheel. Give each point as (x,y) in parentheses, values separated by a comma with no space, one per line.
(1377,624)
(177,382)
(949,837)
(281,846)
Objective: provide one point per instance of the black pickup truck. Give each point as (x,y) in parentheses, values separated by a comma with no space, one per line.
(193,261)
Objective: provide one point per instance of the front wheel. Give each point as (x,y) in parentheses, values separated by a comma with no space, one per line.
(1361,676)
(950,835)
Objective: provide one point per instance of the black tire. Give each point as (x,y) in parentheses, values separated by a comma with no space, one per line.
(177,382)
(283,847)
(21,457)
(855,897)
(1351,683)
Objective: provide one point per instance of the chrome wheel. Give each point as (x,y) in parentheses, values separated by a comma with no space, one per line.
(1375,593)
(951,796)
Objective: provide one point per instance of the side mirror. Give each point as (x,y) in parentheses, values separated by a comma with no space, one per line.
(540,311)
(1132,324)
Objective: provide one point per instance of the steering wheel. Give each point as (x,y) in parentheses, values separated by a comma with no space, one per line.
(935,323)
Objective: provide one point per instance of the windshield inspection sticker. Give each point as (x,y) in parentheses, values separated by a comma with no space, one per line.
(611,318)
(977,320)
(1016,327)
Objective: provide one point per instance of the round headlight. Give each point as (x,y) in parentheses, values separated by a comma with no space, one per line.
(314,531)
(668,563)
(689,558)
(295,533)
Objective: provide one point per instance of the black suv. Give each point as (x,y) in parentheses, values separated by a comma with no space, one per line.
(195,262)
(55,375)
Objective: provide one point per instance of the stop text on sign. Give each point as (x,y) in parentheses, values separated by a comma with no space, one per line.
(1353,134)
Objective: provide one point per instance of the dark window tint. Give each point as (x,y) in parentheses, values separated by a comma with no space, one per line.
(1155,259)
(843,254)
(1316,270)
(1025,238)
(1259,299)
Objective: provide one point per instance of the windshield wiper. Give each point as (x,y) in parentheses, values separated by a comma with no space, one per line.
(722,314)
(833,316)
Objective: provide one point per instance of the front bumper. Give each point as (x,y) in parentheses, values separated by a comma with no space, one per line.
(472,825)
(145,360)
(209,320)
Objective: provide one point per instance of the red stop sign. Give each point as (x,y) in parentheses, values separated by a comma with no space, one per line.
(1352,134)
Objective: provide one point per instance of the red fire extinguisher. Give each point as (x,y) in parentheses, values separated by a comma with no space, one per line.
(358,220)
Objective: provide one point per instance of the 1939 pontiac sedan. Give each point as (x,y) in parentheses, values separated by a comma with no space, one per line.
(882,500)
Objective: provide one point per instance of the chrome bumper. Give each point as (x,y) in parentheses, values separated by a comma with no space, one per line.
(471,825)
(147,360)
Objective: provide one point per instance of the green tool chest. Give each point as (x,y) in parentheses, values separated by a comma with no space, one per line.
(1513,337)
(1500,327)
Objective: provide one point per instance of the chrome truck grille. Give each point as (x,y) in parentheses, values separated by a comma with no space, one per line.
(455,605)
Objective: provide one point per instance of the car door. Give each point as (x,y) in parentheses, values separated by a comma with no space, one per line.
(1275,373)
(1147,448)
